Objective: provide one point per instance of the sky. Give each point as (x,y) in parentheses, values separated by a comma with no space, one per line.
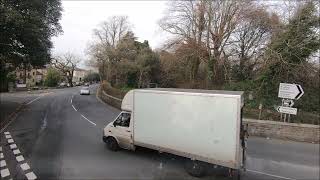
(79,18)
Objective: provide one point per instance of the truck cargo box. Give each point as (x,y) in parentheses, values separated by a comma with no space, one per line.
(199,124)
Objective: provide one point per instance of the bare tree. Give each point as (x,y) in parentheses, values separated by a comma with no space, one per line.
(111,31)
(223,17)
(108,35)
(208,25)
(66,64)
(186,21)
(250,39)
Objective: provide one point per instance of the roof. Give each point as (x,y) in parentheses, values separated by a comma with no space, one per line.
(203,91)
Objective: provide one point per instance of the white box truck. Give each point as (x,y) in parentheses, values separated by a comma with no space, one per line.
(204,126)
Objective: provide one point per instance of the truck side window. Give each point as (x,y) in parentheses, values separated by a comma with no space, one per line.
(123,120)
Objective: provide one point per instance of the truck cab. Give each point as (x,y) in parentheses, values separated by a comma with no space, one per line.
(119,133)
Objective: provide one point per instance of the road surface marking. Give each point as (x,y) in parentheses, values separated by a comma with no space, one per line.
(6,133)
(1,155)
(88,120)
(13,146)
(8,136)
(33,100)
(71,99)
(44,124)
(272,175)
(25,166)
(20,158)
(31,175)
(5,173)
(3,163)
(17,151)
(74,108)
(10,141)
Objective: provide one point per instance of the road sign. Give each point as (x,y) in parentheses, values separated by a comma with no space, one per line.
(290,91)
(287,110)
(287,102)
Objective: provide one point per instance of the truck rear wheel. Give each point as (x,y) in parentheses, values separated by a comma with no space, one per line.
(196,168)
(112,144)
(235,174)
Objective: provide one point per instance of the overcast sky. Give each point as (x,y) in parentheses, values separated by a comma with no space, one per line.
(79,18)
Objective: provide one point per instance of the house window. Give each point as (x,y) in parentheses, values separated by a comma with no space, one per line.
(33,73)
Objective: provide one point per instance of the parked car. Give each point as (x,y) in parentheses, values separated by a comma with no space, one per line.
(85,90)
(86,84)
(204,126)
(62,84)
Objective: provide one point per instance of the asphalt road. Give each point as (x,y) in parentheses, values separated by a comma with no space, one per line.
(59,135)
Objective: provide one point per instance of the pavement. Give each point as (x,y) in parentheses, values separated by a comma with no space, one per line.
(58,135)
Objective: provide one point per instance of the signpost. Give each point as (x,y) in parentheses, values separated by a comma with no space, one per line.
(287,110)
(287,102)
(288,93)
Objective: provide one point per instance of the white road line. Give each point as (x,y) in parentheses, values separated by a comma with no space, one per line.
(6,133)
(272,175)
(8,136)
(3,163)
(20,158)
(1,155)
(74,108)
(17,151)
(13,146)
(5,173)
(71,99)
(25,166)
(10,141)
(33,100)
(31,175)
(88,120)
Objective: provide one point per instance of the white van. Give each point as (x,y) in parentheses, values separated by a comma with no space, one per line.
(202,125)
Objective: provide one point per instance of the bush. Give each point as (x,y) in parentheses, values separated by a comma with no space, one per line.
(11,76)
(249,87)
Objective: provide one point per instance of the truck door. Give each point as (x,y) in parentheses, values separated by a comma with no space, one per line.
(243,136)
(122,130)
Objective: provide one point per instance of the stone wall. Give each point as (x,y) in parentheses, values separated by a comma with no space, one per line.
(113,101)
(281,130)
(262,128)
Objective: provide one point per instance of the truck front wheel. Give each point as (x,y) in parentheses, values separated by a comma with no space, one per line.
(112,144)
(196,168)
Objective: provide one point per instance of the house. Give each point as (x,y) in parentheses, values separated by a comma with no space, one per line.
(34,76)
(79,74)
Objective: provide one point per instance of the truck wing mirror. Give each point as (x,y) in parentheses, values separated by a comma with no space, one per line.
(114,124)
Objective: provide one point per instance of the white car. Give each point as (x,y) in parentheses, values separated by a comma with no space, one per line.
(85,90)
(63,84)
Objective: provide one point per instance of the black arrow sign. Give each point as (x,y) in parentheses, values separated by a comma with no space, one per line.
(301,92)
